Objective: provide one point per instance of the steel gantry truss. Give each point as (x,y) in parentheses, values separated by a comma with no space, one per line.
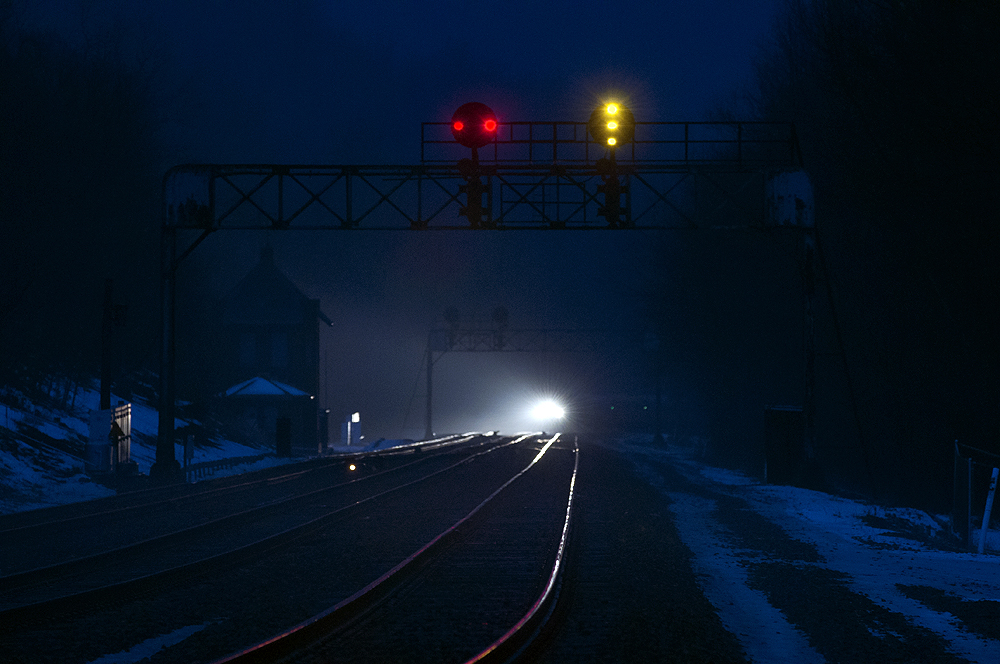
(535,175)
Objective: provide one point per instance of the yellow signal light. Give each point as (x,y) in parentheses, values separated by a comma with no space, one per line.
(611,124)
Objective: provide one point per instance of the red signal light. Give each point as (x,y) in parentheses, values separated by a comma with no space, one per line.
(474,125)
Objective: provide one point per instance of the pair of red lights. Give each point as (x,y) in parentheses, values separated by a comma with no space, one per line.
(474,125)
(489,125)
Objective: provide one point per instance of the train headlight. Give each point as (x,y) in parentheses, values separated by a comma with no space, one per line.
(548,410)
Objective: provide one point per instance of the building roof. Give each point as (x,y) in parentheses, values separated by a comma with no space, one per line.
(267,297)
(262,387)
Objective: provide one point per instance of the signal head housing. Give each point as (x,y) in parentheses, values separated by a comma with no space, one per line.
(612,124)
(474,125)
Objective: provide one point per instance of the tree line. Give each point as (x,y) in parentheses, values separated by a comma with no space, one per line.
(81,156)
(895,103)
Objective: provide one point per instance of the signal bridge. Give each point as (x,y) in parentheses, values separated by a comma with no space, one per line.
(611,172)
(524,174)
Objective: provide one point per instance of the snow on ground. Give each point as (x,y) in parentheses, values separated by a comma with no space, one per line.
(150,647)
(850,537)
(35,473)
(31,478)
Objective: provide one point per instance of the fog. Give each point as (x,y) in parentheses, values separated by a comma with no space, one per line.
(351,83)
(343,83)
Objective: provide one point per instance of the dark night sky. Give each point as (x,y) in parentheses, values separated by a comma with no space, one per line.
(350,82)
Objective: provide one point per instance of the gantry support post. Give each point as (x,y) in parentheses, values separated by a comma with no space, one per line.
(429,430)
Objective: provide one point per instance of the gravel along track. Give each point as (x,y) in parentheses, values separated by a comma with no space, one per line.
(236,606)
(473,589)
(630,592)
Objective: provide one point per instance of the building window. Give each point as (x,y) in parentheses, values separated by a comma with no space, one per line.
(279,349)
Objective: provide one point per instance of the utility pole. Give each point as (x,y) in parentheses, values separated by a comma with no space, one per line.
(166,469)
(429,430)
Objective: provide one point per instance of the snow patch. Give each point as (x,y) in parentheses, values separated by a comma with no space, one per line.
(877,547)
(36,474)
(150,647)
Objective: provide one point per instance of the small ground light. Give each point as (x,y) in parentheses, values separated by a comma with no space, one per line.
(490,125)
(612,109)
(459,126)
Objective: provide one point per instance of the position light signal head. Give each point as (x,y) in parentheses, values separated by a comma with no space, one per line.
(474,125)
(612,124)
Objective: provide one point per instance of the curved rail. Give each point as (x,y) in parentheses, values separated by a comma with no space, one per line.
(520,637)
(314,629)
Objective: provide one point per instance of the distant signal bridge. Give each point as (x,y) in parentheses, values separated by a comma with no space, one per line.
(503,340)
(524,341)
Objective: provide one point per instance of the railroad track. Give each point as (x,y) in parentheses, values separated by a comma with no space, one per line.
(168,498)
(142,566)
(229,606)
(482,590)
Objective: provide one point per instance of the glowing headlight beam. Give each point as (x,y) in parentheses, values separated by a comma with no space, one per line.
(548,410)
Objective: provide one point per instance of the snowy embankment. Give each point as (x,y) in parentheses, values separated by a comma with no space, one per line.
(889,555)
(41,450)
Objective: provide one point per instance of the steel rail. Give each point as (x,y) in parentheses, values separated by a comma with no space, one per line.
(322,624)
(28,577)
(143,584)
(173,500)
(520,637)
(318,465)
